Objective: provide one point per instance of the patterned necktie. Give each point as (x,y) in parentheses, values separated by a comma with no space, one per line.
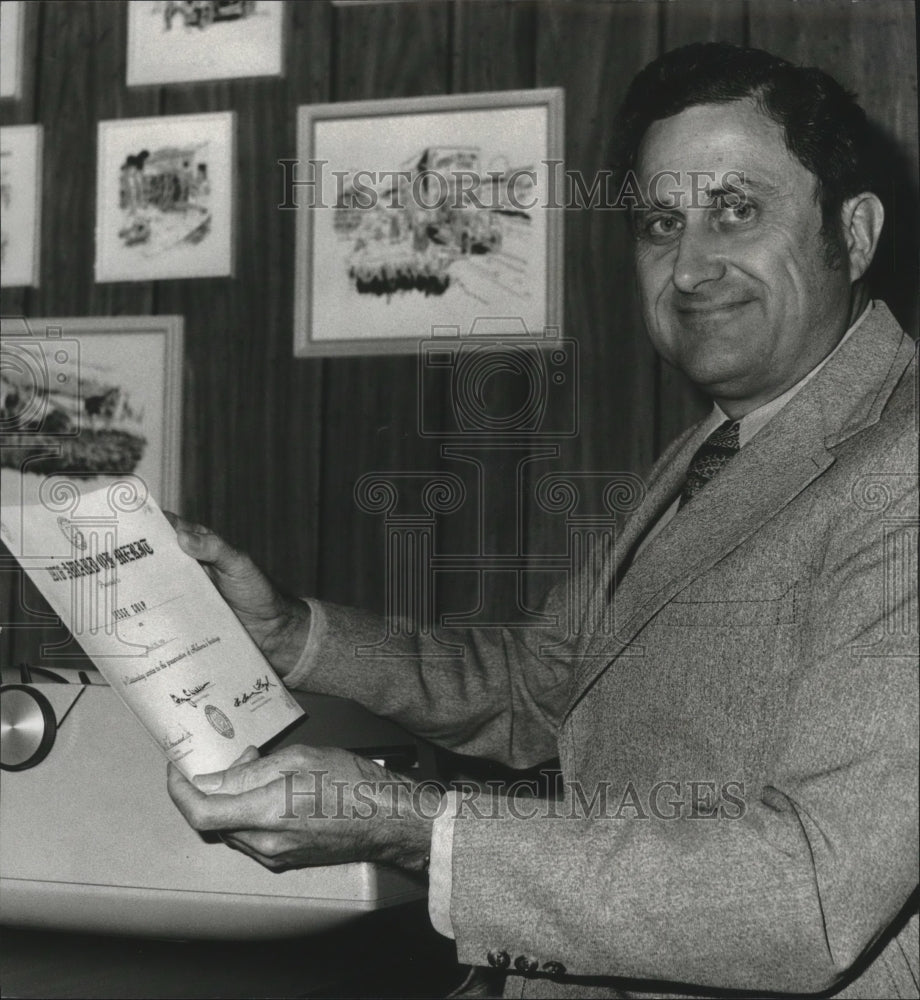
(710,459)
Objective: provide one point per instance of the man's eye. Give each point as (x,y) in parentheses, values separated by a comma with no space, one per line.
(663,226)
(737,214)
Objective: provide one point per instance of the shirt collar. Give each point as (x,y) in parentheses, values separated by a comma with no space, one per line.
(755,421)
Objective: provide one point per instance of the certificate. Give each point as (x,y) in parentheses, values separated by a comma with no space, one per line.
(109,564)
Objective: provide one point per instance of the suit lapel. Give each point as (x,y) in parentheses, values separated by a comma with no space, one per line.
(665,479)
(766,475)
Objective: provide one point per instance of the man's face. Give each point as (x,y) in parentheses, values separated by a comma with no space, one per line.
(738,296)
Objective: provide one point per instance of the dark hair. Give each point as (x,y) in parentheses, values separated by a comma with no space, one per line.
(825,129)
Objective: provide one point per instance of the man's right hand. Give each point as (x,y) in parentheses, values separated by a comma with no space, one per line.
(278,625)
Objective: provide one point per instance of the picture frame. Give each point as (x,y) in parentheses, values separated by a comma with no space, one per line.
(188,41)
(165,197)
(20,193)
(423,213)
(91,397)
(11,42)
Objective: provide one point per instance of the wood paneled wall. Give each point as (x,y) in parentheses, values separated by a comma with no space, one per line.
(272,446)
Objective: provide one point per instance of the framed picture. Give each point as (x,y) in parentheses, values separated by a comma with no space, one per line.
(164,197)
(20,200)
(91,397)
(422,213)
(176,41)
(11,14)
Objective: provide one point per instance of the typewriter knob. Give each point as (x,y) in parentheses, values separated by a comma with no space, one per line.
(28,727)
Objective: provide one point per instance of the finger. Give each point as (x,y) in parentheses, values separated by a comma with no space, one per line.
(237,842)
(259,808)
(202,544)
(213,781)
(256,773)
(265,846)
(247,756)
(182,791)
(182,524)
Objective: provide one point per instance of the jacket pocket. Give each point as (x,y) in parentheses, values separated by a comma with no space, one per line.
(697,608)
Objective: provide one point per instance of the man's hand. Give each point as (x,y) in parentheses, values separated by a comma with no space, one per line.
(278,625)
(312,806)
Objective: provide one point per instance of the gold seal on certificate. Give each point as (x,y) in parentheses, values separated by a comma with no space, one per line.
(219,721)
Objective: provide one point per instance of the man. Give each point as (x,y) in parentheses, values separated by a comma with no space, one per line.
(754,716)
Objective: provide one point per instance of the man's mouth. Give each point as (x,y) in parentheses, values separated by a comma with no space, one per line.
(710,309)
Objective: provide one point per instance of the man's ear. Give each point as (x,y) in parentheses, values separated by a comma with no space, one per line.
(861,218)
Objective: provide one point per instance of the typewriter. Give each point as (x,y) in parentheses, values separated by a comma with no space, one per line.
(91,841)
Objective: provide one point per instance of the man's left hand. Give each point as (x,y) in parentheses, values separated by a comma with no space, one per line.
(311,806)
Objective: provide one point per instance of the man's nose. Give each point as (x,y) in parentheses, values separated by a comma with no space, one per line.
(698,258)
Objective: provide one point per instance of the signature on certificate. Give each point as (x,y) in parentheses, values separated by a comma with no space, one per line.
(261,686)
(189,694)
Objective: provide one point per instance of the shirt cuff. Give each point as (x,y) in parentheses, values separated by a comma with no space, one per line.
(440,869)
(319,625)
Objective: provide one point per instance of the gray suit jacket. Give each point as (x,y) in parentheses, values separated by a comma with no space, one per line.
(752,721)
